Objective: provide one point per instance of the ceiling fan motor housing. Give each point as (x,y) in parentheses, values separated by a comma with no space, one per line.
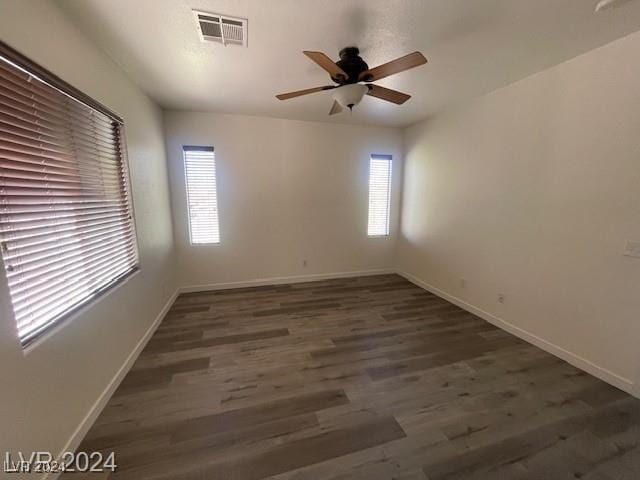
(352,64)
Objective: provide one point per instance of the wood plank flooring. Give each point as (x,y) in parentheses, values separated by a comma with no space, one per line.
(365,378)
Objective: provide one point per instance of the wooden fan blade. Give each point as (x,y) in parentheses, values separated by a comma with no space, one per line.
(298,93)
(335,108)
(325,62)
(398,65)
(387,94)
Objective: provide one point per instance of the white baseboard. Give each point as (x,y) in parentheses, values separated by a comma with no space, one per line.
(260,282)
(87,422)
(575,360)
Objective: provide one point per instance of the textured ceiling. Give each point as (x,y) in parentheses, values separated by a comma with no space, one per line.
(473,47)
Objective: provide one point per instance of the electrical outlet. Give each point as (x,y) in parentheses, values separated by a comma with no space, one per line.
(501,298)
(463,283)
(304,263)
(632,248)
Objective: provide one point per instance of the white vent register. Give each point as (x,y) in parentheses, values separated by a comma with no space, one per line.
(213,27)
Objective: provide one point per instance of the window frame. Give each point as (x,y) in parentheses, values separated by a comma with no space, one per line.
(201,148)
(32,68)
(388,158)
(21,62)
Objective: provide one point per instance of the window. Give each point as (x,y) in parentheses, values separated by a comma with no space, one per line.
(66,227)
(379,194)
(202,198)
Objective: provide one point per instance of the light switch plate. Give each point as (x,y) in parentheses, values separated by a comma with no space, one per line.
(632,249)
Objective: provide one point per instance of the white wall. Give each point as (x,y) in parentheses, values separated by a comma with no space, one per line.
(287,191)
(45,393)
(532,191)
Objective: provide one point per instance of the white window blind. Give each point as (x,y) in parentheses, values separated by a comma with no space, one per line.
(66,227)
(202,198)
(379,194)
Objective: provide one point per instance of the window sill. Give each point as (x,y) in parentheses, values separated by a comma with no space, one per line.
(35,343)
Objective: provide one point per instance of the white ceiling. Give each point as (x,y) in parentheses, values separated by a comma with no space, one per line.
(473,47)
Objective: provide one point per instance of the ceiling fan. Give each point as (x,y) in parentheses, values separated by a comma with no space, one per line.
(350,70)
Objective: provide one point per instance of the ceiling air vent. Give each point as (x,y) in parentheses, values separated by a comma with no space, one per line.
(213,27)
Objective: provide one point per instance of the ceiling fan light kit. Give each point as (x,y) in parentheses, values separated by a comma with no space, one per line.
(350,70)
(350,95)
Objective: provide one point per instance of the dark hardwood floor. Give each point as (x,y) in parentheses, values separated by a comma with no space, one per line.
(366,378)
